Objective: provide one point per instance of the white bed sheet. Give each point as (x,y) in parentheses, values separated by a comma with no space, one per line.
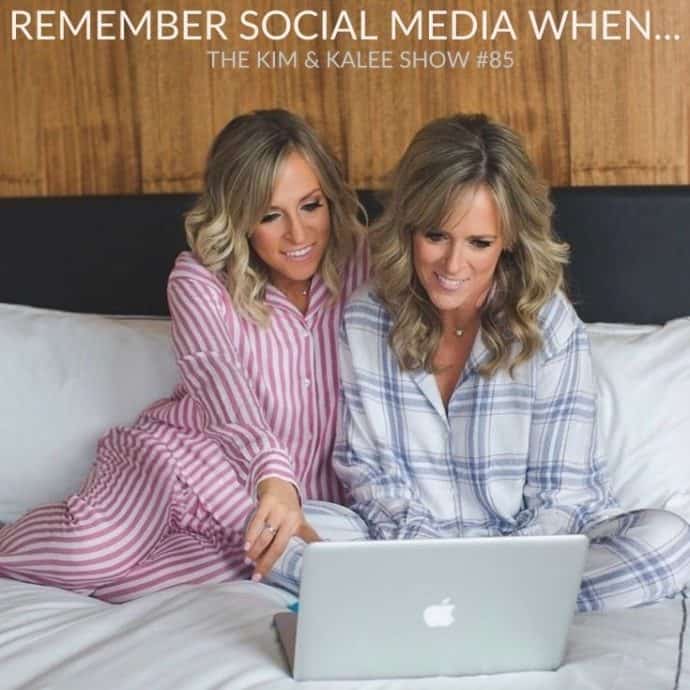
(221,636)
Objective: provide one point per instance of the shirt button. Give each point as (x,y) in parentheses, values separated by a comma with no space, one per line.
(307,382)
(305,334)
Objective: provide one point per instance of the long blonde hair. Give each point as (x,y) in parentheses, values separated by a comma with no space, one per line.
(238,182)
(445,158)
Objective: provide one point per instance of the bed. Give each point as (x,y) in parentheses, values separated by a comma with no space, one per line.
(85,345)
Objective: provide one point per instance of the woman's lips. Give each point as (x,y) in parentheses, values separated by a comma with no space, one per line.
(450,284)
(299,254)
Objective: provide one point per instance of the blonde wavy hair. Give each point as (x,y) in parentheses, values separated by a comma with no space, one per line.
(445,159)
(240,173)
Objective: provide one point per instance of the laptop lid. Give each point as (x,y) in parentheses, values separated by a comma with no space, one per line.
(385,609)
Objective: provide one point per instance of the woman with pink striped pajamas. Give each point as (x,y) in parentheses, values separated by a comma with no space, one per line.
(210,484)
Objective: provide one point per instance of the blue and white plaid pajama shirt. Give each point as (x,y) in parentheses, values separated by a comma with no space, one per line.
(510,456)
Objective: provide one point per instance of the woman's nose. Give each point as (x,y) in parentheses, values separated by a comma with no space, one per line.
(455,259)
(296,231)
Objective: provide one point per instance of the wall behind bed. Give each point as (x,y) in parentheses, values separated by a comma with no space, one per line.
(83,117)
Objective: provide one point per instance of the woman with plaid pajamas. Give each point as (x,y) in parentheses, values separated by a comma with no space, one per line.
(468,400)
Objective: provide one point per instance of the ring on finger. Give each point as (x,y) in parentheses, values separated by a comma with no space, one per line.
(269,528)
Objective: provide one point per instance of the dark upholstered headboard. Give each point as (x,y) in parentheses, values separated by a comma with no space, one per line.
(111,255)
(630,251)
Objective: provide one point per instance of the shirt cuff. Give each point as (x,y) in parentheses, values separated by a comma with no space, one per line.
(272,464)
(381,526)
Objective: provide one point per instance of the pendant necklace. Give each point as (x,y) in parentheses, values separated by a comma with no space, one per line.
(306,290)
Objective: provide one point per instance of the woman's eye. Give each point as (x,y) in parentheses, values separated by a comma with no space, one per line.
(312,206)
(269,217)
(434,235)
(481,244)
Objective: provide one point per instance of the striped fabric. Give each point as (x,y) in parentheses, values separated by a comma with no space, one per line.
(511,455)
(167,500)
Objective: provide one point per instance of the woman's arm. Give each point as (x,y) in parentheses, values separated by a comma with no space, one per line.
(376,481)
(212,371)
(213,375)
(566,486)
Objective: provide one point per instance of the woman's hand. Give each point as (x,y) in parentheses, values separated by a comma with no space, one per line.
(277,518)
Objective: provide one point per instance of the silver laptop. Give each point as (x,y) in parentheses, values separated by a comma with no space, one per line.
(387,609)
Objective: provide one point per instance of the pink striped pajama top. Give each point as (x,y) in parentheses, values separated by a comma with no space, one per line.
(167,499)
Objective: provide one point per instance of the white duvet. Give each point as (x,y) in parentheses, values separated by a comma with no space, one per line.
(83,374)
(221,636)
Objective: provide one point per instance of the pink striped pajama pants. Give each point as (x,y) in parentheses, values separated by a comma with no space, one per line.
(160,507)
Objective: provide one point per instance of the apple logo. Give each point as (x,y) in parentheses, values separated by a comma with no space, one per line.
(439,615)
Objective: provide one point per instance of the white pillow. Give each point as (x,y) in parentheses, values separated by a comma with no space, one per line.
(643,377)
(65,379)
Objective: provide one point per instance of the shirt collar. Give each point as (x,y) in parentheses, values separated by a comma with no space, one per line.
(478,355)
(427,382)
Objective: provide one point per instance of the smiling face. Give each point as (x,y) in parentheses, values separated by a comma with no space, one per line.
(292,236)
(455,263)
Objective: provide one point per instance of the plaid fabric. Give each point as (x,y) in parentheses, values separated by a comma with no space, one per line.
(332,522)
(634,559)
(512,455)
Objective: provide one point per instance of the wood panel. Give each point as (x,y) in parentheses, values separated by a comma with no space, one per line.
(395,103)
(74,125)
(628,103)
(21,161)
(136,116)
